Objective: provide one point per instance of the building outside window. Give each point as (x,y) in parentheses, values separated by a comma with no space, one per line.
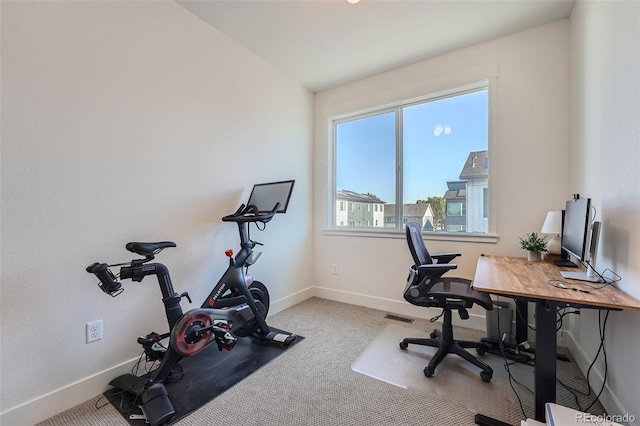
(434,151)
(360,212)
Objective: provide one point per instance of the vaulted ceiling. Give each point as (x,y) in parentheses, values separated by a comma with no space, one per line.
(325,43)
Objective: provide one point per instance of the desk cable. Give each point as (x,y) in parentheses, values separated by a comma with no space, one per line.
(524,320)
(602,324)
(561,314)
(507,364)
(578,285)
(562,285)
(605,281)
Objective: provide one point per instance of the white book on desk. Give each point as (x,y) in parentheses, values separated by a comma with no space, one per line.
(557,415)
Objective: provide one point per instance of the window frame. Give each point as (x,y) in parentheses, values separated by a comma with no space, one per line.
(457,83)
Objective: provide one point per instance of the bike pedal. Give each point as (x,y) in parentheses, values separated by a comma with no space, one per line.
(225,340)
(222,324)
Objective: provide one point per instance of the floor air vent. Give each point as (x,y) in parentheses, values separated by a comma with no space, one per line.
(398,318)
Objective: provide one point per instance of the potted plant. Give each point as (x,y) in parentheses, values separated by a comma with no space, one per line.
(535,245)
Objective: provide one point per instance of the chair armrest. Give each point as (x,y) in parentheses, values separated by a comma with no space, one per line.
(445,257)
(436,267)
(428,275)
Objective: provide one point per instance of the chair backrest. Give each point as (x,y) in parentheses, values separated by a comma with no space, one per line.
(417,247)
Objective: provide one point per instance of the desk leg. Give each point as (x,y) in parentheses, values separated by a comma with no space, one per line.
(545,363)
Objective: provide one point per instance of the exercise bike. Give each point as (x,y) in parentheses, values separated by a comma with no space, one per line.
(236,306)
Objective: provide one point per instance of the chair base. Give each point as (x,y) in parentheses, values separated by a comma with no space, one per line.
(443,340)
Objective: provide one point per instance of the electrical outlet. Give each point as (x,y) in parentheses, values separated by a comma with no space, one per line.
(94,331)
(334,268)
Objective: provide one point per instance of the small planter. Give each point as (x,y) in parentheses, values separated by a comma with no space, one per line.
(534,256)
(534,245)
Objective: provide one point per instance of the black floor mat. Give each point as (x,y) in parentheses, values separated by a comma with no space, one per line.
(206,375)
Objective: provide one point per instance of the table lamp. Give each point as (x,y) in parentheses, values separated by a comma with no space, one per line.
(553,225)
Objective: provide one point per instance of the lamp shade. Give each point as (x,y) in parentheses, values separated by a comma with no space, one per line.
(553,225)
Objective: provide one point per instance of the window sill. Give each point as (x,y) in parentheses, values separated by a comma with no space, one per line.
(433,236)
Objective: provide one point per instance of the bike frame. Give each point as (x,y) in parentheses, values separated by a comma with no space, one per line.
(235,280)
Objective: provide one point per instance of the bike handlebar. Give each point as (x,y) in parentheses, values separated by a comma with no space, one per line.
(250,213)
(108,282)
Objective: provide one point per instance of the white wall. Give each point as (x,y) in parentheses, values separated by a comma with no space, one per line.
(605,62)
(126,121)
(530,162)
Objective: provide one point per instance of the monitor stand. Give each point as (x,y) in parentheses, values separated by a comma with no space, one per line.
(566,263)
(564,260)
(582,276)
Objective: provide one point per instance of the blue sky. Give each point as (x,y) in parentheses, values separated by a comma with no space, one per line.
(437,138)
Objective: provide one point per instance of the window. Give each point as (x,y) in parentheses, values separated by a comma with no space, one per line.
(426,159)
(456,209)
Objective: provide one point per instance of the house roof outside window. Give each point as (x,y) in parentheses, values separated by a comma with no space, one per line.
(343,194)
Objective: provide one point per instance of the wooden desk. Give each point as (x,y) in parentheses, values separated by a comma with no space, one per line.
(532,282)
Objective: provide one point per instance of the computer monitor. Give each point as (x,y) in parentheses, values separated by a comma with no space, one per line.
(266,195)
(580,237)
(575,230)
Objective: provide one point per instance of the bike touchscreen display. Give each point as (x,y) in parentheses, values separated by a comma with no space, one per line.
(265,196)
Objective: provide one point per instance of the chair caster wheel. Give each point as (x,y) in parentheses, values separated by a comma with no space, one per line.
(481,351)
(433,335)
(486,377)
(404,345)
(428,372)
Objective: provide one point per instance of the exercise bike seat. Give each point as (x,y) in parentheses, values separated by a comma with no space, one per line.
(148,249)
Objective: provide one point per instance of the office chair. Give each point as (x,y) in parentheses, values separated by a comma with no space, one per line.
(426,287)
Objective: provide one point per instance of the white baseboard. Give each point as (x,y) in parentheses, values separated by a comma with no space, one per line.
(59,400)
(399,307)
(276,306)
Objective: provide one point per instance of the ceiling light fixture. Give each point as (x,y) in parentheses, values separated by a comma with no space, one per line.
(353,1)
